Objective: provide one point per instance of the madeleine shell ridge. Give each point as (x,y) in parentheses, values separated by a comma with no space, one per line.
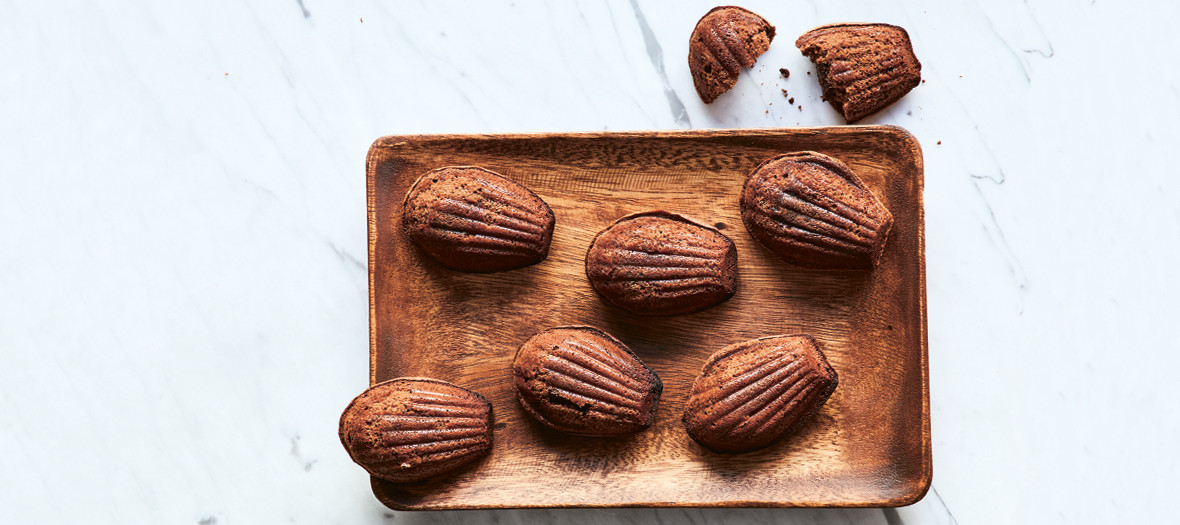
(658,263)
(725,40)
(581,380)
(472,219)
(813,211)
(862,68)
(753,393)
(411,429)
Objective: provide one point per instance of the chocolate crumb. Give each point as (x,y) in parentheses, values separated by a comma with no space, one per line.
(809,73)
(800,108)
(784,72)
(940,143)
(923,81)
(791,100)
(784,92)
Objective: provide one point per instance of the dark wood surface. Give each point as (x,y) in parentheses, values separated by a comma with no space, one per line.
(868,446)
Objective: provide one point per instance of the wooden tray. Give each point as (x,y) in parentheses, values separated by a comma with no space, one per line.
(868,446)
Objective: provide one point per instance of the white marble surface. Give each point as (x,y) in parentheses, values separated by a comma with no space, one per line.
(183,309)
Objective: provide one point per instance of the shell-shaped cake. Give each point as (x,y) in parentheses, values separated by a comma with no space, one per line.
(411,428)
(813,211)
(750,394)
(659,263)
(475,220)
(581,380)
(862,67)
(725,40)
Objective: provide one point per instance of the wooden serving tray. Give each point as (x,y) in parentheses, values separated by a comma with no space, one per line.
(868,446)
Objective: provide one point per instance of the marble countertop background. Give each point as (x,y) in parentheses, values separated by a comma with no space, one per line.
(183,286)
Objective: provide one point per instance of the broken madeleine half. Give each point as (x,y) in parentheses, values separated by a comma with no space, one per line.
(725,40)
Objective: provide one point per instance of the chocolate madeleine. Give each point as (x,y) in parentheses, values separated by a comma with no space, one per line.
(580,380)
(724,41)
(862,67)
(659,263)
(812,211)
(412,428)
(753,393)
(474,220)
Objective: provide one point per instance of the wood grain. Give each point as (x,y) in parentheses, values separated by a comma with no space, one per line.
(868,446)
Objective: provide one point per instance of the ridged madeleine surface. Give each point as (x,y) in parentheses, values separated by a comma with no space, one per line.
(410,429)
(581,380)
(725,40)
(752,393)
(659,263)
(862,67)
(812,211)
(474,220)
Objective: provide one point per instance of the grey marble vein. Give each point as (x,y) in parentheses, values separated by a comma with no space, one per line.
(656,54)
(1023,67)
(1023,18)
(998,237)
(347,258)
(942,505)
(1044,53)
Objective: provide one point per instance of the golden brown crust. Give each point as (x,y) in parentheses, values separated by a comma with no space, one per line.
(813,211)
(753,393)
(581,380)
(412,428)
(862,67)
(660,264)
(725,40)
(475,220)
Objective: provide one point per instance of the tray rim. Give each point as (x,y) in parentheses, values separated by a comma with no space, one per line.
(905,136)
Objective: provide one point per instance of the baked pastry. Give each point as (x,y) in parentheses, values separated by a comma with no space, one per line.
(659,263)
(580,380)
(750,394)
(862,67)
(812,211)
(724,41)
(413,428)
(474,220)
